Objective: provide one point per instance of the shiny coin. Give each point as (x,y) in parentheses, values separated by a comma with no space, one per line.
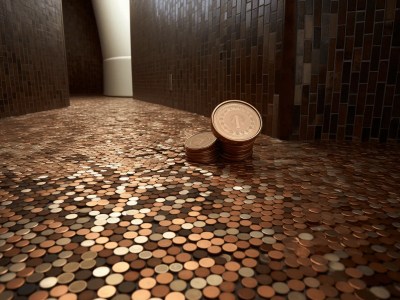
(236,120)
(120,267)
(48,282)
(101,271)
(114,279)
(106,291)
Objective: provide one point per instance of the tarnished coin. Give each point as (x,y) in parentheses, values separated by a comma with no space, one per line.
(200,141)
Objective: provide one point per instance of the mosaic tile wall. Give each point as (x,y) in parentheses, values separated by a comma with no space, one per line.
(33,69)
(84,58)
(347,71)
(193,55)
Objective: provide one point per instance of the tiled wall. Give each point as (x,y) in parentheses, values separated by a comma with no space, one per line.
(347,84)
(33,69)
(84,59)
(193,55)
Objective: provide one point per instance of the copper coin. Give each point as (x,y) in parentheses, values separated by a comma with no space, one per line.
(147,283)
(246,293)
(39,295)
(164,278)
(107,291)
(265,291)
(211,292)
(59,290)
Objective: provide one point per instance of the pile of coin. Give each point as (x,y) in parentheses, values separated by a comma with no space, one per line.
(236,124)
(202,148)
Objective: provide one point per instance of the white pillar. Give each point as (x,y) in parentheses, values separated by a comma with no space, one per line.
(113,23)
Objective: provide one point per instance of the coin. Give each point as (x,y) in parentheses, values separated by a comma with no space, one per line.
(200,141)
(198,283)
(101,271)
(147,283)
(120,267)
(114,279)
(141,295)
(48,282)
(77,286)
(106,291)
(236,120)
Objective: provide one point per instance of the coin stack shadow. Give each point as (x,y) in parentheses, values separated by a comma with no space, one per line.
(235,125)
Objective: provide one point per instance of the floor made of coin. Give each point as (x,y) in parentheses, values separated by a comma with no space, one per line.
(98,200)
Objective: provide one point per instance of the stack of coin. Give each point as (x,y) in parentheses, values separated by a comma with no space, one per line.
(236,124)
(201,148)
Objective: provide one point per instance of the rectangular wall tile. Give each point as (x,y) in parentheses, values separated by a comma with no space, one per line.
(359,49)
(33,69)
(214,51)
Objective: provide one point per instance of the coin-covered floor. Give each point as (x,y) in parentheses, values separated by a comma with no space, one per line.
(97,200)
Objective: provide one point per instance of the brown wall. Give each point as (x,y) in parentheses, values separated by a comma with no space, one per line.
(215,50)
(33,71)
(347,71)
(338,79)
(84,59)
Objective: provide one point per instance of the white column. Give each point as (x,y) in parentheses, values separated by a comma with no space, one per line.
(113,23)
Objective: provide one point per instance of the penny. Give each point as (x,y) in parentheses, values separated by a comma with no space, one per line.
(175,267)
(198,283)
(39,295)
(265,291)
(120,267)
(89,255)
(313,293)
(15,283)
(71,267)
(87,264)
(380,292)
(65,278)
(164,278)
(200,141)
(246,272)
(311,282)
(58,291)
(77,286)
(297,296)
(206,262)
(246,294)
(48,282)
(141,295)
(211,292)
(114,279)
(280,287)
(232,266)
(236,120)
(101,271)
(249,282)
(107,291)
(160,291)
(214,279)
(68,296)
(175,296)
(147,283)
(193,294)
(185,275)
(178,285)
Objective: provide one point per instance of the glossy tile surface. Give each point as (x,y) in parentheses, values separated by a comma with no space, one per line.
(97,200)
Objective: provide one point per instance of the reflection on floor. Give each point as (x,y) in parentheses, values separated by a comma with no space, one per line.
(97,200)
